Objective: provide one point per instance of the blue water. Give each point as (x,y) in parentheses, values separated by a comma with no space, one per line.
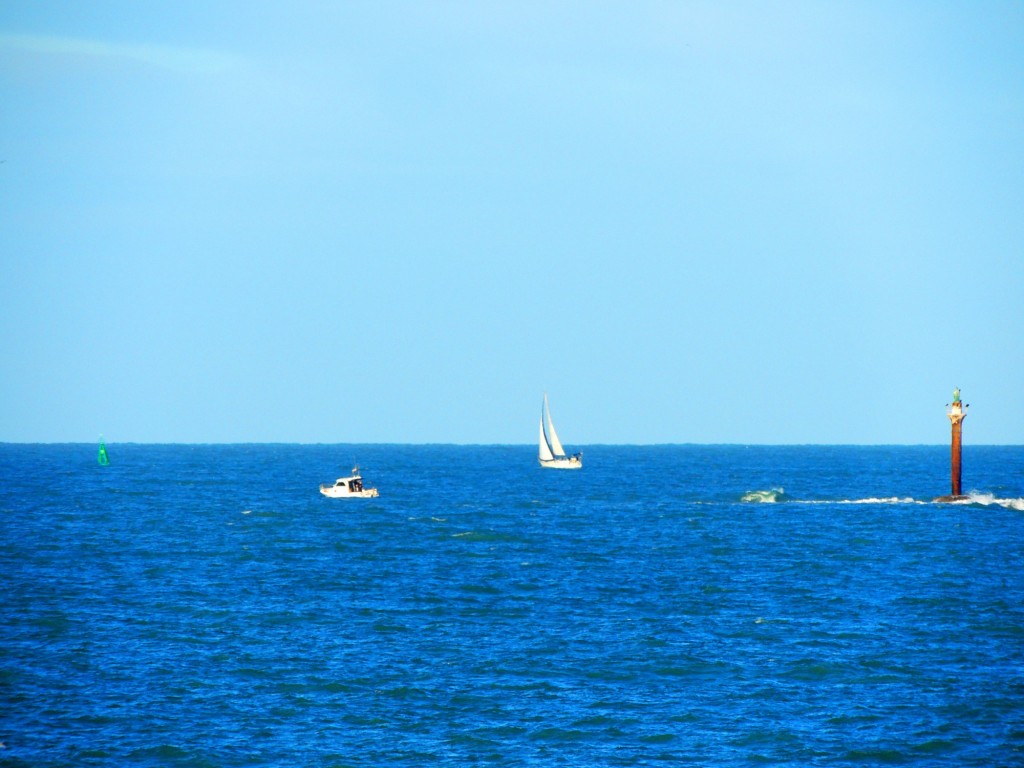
(205,606)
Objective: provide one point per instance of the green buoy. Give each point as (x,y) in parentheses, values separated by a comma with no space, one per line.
(103,459)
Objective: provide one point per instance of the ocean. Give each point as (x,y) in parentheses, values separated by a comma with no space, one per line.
(204,605)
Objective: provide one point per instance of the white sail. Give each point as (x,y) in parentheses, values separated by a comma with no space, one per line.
(554,444)
(545,449)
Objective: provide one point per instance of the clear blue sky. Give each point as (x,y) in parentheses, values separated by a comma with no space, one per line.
(796,222)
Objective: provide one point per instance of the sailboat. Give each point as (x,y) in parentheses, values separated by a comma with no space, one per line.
(552,454)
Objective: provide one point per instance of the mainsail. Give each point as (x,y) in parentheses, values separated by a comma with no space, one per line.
(550,445)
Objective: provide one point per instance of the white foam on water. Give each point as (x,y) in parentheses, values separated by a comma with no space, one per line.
(885,500)
(870,500)
(989,499)
(763,497)
(974,497)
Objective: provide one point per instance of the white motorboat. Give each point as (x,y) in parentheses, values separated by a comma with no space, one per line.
(551,454)
(350,487)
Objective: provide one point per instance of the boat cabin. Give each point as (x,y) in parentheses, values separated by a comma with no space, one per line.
(350,484)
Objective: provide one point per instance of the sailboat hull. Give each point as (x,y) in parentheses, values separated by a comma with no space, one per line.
(568,462)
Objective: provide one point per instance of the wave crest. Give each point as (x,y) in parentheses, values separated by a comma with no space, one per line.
(988,499)
(886,500)
(763,497)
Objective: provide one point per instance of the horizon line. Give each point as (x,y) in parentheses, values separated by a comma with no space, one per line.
(509,445)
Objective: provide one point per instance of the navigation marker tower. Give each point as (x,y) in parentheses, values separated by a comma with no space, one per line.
(957,413)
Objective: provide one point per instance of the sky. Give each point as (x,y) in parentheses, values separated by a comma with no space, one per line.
(391,222)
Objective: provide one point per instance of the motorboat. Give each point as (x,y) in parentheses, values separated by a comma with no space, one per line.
(350,487)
